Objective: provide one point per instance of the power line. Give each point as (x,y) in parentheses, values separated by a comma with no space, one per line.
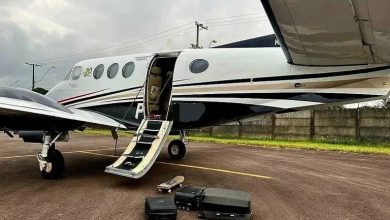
(45,74)
(142,38)
(245,22)
(147,43)
(12,73)
(236,20)
(164,37)
(214,22)
(119,44)
(156,40)
(235,16)
(20,82)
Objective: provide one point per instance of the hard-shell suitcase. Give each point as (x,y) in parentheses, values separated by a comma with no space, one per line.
(160,208)
(188,197)
(225,204)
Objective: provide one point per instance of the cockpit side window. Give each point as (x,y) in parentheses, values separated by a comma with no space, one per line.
(76,73)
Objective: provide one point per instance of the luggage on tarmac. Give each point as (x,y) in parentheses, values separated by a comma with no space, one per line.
(225,204)
(160,208)
(188,197)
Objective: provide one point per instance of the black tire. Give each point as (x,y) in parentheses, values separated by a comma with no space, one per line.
(176,149)
(58,165)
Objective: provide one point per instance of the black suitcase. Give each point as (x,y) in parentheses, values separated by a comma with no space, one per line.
(160,208)
(187,198)
(225,204)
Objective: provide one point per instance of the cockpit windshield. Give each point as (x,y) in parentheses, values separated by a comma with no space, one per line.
(67,77)
(26,95)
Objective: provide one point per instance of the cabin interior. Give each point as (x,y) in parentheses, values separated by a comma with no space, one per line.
(159,88)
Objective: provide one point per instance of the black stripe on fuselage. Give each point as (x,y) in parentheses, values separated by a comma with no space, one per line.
(101,95)
(311,97)
(259,79)
(288,77)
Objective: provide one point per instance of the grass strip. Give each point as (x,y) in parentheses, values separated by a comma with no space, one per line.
(98,132)
(364,147)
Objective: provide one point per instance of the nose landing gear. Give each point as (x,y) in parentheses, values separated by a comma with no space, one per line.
(51,161)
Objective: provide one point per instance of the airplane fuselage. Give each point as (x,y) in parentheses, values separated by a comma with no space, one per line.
(212,86)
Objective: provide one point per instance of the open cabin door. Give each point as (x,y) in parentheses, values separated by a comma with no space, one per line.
(150,137)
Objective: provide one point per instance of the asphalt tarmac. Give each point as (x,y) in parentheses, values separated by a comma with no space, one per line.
(284,184)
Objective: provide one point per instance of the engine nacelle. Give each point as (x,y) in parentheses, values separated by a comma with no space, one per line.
(37,136)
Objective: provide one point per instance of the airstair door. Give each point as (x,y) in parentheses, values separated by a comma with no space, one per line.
(143,149)
(149,139)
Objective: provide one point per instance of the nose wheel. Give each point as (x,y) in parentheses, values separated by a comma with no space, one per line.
(53,166)
(176,149)
(51,161)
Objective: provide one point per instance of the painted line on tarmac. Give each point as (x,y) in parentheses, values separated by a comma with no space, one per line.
(97,154)
(194,167)
(92,152)
(67,152)
(216,170)
(22,156)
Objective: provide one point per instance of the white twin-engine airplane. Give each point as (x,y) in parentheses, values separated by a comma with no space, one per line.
(331,52)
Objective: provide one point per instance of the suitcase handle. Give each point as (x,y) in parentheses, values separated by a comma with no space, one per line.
(224,214)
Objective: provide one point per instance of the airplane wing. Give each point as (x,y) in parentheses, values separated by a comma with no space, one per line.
(25,110)
(332,32)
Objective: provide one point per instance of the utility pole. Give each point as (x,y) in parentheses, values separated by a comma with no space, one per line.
(198,28)
(33,72)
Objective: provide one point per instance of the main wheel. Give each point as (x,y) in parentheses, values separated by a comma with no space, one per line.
(176,149)
(55,165)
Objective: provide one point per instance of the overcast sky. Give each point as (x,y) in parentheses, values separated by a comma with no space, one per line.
(62,32)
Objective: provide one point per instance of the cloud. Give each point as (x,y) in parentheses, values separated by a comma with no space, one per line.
(39,30)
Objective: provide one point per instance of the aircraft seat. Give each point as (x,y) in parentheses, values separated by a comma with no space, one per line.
(155,84)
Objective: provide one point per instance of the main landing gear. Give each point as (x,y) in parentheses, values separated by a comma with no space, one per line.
(177,148)
(51,161)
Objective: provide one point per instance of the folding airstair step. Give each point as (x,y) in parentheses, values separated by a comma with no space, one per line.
(155,125)
(143,149)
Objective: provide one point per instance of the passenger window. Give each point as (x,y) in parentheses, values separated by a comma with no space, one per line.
(98,72)
(128,69)
(76,73)
(112,70)
(199,65)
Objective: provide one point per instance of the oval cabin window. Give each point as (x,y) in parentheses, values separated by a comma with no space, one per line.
(98,72)
(128,69)
(199,65)
(112,70)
